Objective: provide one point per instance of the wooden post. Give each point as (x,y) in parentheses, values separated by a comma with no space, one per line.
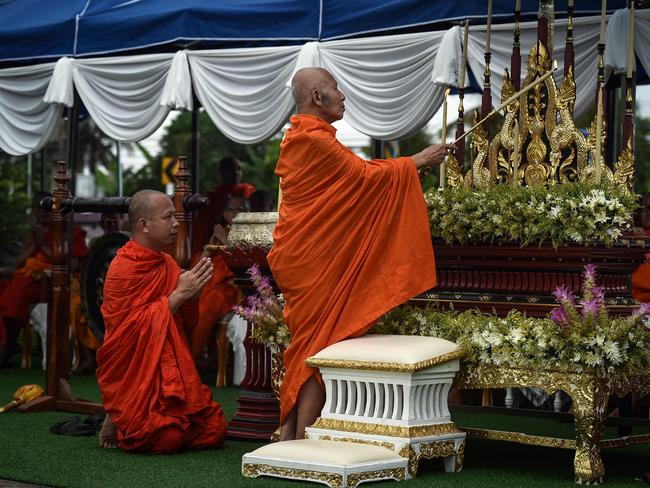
(515,58)
(182,252)
(58,394)
(59,306)
(569,58)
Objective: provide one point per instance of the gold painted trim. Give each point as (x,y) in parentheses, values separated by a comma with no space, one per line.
(387,430)
(354,440)
(631,440)
(252,470)
(518,437)
(316,362)
(398,474)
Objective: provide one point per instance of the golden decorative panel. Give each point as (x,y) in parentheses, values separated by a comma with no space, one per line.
(550,149)
(315,362)
(386,430)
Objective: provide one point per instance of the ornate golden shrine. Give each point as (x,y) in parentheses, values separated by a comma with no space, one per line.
(538,143)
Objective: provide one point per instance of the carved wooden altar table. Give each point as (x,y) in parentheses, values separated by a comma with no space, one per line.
(590,392)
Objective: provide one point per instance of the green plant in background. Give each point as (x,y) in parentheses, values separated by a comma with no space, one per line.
(14,204)
(579,213)
(258,160)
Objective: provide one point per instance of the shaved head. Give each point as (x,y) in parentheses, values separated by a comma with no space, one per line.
(142,205)
(305,81)
(315,92)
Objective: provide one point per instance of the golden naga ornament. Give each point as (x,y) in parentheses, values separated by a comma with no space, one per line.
(551,149)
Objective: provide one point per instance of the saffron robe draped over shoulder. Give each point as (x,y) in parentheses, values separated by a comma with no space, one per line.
(352,242)
(146,373)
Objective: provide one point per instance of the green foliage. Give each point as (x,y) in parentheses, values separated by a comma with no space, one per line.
(14,204)
(562,214)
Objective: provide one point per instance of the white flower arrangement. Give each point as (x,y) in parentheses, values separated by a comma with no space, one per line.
(579,213)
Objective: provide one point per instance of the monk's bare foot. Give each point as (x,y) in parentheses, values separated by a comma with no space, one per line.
(108,434)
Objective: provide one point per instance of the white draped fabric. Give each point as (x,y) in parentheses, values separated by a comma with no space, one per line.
(122,94)
(393,84)
(244,91)
(617,31)
(26,120)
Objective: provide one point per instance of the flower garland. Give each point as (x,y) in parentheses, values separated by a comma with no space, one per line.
(571,339)
(569,213)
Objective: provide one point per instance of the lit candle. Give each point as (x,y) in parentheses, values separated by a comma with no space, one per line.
(463,62)
(489,27)
(603,15)
(630,44)
(599,132)
(443,166)
(515,159)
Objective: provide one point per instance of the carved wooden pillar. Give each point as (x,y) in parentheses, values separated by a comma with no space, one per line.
(59,306)
(182,251)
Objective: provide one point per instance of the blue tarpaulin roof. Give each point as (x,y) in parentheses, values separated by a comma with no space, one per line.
(46,29)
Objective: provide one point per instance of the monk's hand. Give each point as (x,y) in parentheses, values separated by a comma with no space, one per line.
(190,283)
(432,155)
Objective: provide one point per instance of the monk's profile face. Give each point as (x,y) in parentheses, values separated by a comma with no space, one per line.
(160,226)
(331,99)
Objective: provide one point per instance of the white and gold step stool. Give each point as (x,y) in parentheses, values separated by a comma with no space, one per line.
(336,464)
(391,391)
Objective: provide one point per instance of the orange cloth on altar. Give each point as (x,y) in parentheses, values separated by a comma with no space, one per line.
(146,373)
(206,217)
(217,299)
(352,241)
(641,280)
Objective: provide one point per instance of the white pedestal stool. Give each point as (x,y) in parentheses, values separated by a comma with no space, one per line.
(391,391)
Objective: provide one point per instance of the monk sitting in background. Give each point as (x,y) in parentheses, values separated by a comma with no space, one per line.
(206,218)
(220,294)
(352,240)
(26,286)
(641,277)
(153,396)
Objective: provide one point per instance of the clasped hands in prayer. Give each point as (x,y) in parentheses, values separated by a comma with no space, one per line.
(432,155)
(190,283)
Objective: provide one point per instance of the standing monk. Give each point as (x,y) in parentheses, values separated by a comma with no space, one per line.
(352,240)
(152,393)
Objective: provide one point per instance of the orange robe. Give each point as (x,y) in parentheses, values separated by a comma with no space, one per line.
(352,241)
(25,286)
(641,280)
(146,373)
(206,217)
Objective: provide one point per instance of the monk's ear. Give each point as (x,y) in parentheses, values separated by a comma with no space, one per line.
(316,97)
(143,225)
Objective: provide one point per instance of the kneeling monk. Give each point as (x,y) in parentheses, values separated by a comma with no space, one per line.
(152,393)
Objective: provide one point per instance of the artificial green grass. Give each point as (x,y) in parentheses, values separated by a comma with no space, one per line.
(29,453)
